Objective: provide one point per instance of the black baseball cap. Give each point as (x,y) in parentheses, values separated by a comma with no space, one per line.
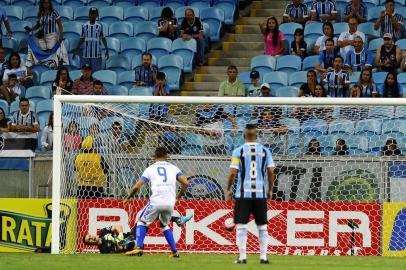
(254,74)
(86,66)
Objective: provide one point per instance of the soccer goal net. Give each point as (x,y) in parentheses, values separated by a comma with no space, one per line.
(340,185)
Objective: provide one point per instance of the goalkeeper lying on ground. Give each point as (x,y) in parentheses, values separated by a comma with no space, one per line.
(113,240)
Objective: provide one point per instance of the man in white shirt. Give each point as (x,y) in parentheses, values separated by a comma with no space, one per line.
(346,39)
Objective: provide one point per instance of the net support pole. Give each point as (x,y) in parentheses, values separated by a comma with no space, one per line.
(56,175)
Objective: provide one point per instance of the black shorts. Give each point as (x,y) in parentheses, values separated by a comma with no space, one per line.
(244,207)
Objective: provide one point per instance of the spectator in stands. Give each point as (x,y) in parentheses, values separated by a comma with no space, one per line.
(346,39)
(299,46)
(90,168)
(62,81)
(47,139)
(159,112)
(391,87)
(272,36)
(3,62)
(92,33)
(167,24)
(341,148)
(145,75)
(319,91)
(356,9)
(4,121)
(47,20)
(272,130)
(15,66)
(313,148)
(358,58)
(98,88)
(389,56)
(4,19)
(232,86)
(12,89)
(403,64)
(336,82)
(84,85)
(328,31)
(118,139)
(265,90)
(296,12)
(192,27)
(391,148)
(254,90)
(71,137)
(307,89)
(326,57)
(323,11)
(355,91)
(367,87)
(24,120)
(211,119)
(389,21)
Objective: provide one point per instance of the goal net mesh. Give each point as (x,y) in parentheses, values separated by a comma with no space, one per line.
(335,168)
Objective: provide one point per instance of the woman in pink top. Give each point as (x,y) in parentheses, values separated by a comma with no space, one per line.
(72,138)
(272,36)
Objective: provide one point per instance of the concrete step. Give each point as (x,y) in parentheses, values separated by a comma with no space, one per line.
(257,37)
(235,54)
(210,77)
(238,46)
(198,93)
(277,13)
(229,61)
(201,86)
(269,4)
(247,29)
(219,69)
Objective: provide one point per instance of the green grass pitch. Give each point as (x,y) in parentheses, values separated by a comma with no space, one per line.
(32,261)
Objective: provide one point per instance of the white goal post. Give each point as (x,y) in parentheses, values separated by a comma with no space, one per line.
(60,100)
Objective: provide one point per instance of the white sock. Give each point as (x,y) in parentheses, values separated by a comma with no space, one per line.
(263,241)
(241,236)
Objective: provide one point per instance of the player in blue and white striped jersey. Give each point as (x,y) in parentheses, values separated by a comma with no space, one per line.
(323,11)
(92,33)
(252,165)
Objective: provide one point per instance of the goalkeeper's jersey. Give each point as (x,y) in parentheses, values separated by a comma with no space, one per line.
(111,244)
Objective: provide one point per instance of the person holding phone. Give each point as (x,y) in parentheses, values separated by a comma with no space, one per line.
(167,24)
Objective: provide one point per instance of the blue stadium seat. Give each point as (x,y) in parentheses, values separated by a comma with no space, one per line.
(146,30)
(289,63)
(357,145)
(172,66)
(288,30)
(159,47)
(136,62)
(74,3)
(113,44)
(193,144)
(57,3)
(149,3)
(108,77)
(155,14)
(107,122)
(341,126)
(327,144)
(75,74)
(4,2)
(19,33)
(65,12)
(400,112)
(276,79)
(401,43)
(121,30)
(74,62)
(140,91)
(339,28)
(38,93)
(263,64)
(72,30)
(314,127)
(374,44)
(310,45)
(229,11)
(180,13)
(118,63)
(174,5)
(166,3)
(185,49)
(111,14)
(11,45)
(310,62)
(244,111)
(14,13)
(286,91)
(313,30)
(48,77)
(368,127)
(294,147)
(30,14)
(84,124)
(292,124)
(117,90)
(200,4)
(354,77)
(45,106)
(126,78)
(402,79)
(5,107)
(374,13)
(371,3)
(298,78)
(215,18)
(376,144)
(245,78)
(368,29)
(133,47)
(14,106)
(22,3)
(136,14)
(381,112)
(125,3)
(99,3)
(379,78)
(81,14)
(394,126)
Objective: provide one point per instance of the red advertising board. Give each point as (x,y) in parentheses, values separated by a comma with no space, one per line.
(295,228)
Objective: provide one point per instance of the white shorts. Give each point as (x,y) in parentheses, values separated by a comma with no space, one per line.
(48,42)
(151,212)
